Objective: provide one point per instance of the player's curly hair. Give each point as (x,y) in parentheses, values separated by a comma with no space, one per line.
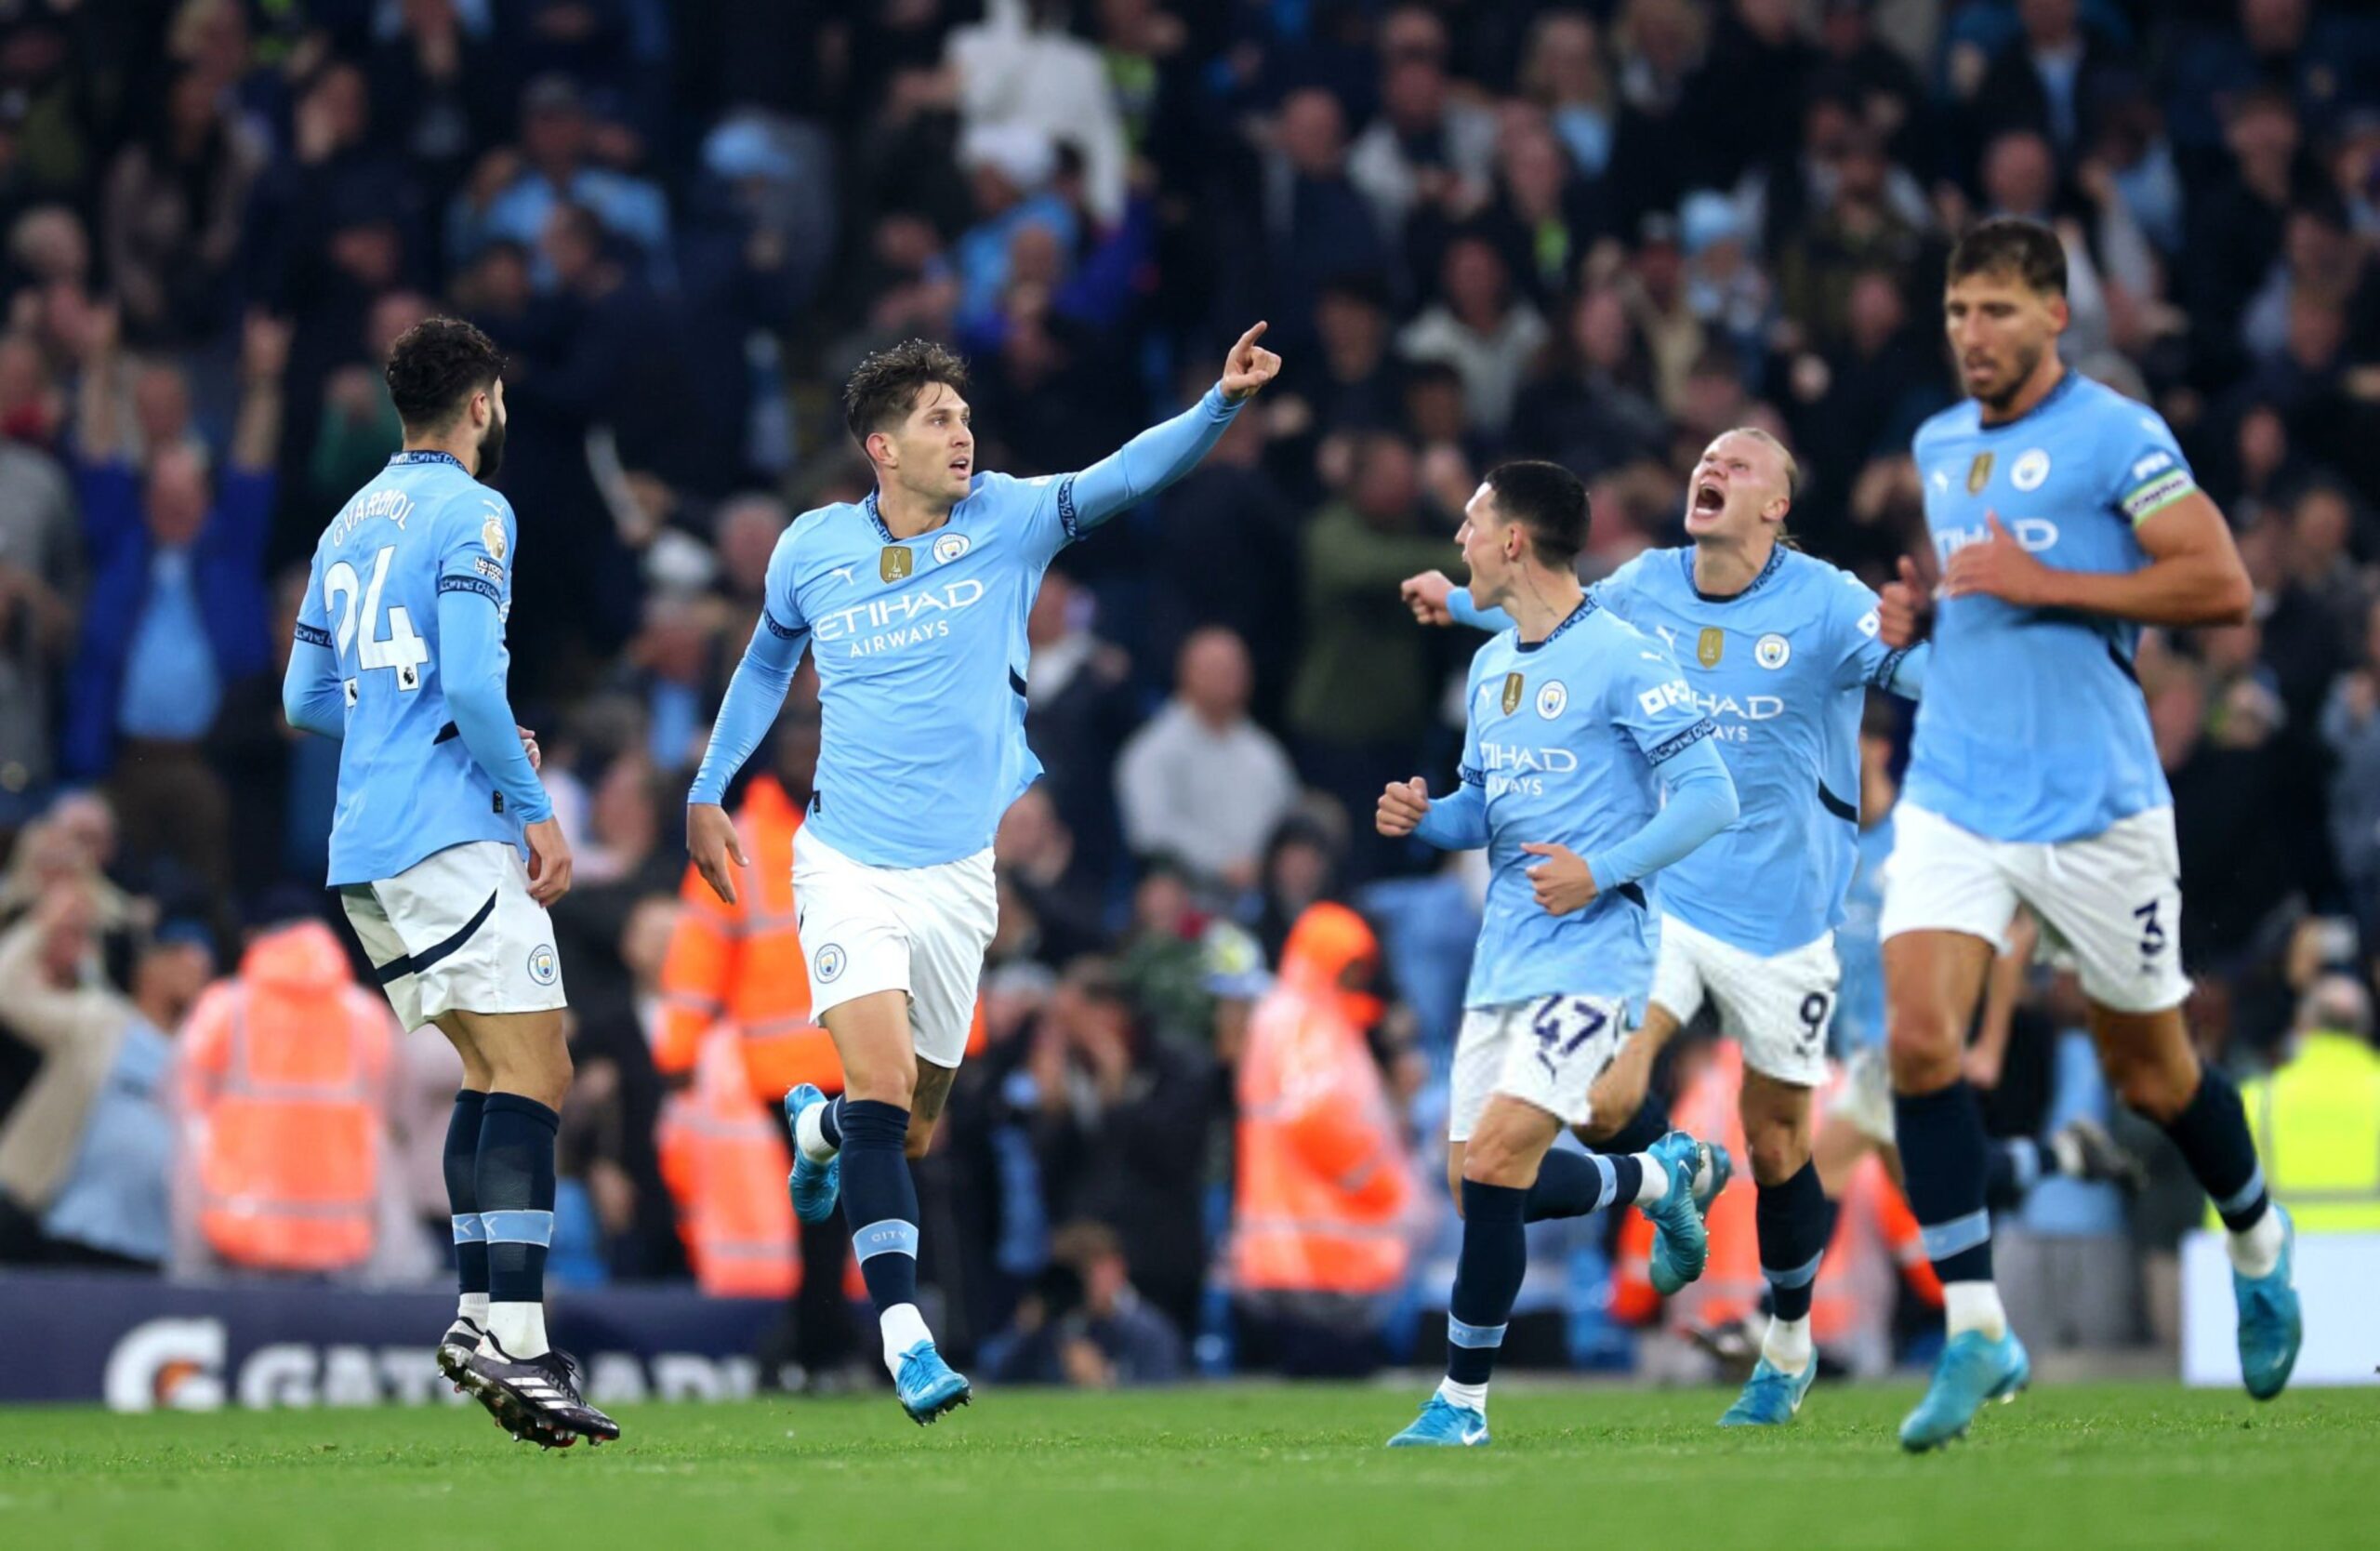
(1549,502)
(434,368)
(2012,245)
(885,387)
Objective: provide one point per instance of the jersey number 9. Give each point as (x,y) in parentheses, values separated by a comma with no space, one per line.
(401,648)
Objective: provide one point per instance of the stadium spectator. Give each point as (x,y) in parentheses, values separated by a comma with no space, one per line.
(176,612)
(1118,1133)
(86,1154)
(173,220)
(1084,1325)
(1361,703)
(1201,782)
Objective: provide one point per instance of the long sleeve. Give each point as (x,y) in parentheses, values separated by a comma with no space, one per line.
(754,697)
(471,669)
(311,695)
(1143,465)
(1701,803)
(1456,821)
(1465,612)
(758,690)
(1906,677)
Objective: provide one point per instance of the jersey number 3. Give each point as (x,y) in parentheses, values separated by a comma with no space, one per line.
(400,649)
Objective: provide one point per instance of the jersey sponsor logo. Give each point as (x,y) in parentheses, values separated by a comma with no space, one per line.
(492,535)
(542,967)
(949,546)
(828,963)
(1771,651)
(1661,698)
(894,562)
(1514,685)
(1552,698)
(904,619)
(1709,646)
(1750,708)
(1521,769)
(2030,468)
(2153,463)
(1979,473)
(2033,534)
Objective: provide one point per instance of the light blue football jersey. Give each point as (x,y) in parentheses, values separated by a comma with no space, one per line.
(407,787)
(2033,728)
(1563,743)
(921,648)
(1783,668)
(1860,945)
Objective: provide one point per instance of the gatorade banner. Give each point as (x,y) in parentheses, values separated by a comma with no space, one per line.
(139,1344)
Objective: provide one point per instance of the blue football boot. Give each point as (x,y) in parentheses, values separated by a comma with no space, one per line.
(1973,1369)
(2271,1326)
(1443,1425)
(1771,1395)
(816,1186)
(927,1385)
(1680,1243)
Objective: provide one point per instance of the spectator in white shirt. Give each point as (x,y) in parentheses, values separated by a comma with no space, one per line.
(1201,782)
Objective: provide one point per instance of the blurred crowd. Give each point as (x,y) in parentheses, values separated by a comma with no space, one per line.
(1216,1022)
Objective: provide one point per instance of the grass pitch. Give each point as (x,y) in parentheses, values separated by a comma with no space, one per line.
(2093,1467)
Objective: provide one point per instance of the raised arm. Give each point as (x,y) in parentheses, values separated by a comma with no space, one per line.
(1165,452)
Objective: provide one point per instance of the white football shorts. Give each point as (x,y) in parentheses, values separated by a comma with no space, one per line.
(922,929)
(2110,904)
(458,932)
(1777,1009)
(1546,1051)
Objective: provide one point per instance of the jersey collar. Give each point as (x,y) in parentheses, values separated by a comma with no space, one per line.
(1776,564)
(867,505)
(1586,605)
(2065,381)
(425,455)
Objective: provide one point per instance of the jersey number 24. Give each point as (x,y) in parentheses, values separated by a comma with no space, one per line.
(401,648)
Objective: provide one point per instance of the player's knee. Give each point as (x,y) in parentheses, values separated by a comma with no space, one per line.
(2159,1090)
(1922,1047)
(889,1081)
(1778,1150)
(1494,1159)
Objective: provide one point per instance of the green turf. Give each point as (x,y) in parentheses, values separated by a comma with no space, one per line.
(2092,1468)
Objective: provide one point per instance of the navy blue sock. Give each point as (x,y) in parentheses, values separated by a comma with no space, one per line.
(1944,1157)
(1792,1221)
(881,1199)
(515,1181)
(2211,1132)
(830,1121)
(461,1160)
(2015,1166)
(1571,1185)
(1486,1278)
(1648,1125)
